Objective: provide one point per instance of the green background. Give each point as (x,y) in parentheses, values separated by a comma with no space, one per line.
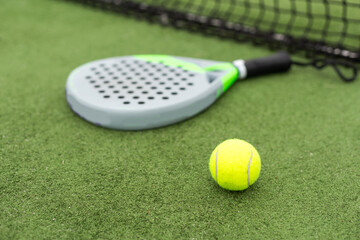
(61,177)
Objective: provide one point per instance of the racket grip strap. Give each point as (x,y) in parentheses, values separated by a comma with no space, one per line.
(279,62)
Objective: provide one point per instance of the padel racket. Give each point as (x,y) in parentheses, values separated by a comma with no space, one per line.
(148,91)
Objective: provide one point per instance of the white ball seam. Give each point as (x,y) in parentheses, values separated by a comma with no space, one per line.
(248,171)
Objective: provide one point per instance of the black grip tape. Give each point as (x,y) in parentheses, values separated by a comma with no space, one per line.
(279,62)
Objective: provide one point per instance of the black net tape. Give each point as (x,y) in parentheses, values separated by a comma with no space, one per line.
(330,27)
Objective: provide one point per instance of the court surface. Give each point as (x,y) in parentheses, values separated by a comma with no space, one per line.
(61,177)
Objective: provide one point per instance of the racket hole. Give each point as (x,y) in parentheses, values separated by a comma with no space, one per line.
(97,86)
(126,102)
(111,73)
(114,65)
(156,78)
(170,79)
(148,83)
(139,87)
(115,78)
(172,70)
(132,70)
(107,96)
(191,75)
(145,70)
(116,91)
(102,65)
(161,83)
(106,69)
(137,74)
(97,73)
(178,74)
(141,103)
(184,79)
(182,89)
(164,74)
(120,97)
(120,82)
(176,83)
(174,93)
(145,92)
(168,88)
(158,70)
(153,87)
(151,74)
(130,92)
(111,86)
(124,73)
(133,82)
(151,98)
(92,81)
(142,78)
(93,69)
(101,91)
(119,69)
(136,97)
(190,84)
(165,98)
(125,87)
(87,77)
(159,93)
(106,82)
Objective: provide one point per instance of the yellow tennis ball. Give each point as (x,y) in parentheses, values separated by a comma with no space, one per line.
(235,164)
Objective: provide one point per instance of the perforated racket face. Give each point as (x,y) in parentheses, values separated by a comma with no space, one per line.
(129,83)
(140,92)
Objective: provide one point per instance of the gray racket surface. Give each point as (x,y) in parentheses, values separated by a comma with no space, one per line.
(146,91)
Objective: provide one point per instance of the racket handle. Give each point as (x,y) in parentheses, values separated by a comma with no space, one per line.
(279,62)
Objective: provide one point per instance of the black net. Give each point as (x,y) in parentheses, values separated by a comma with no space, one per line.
(330,27)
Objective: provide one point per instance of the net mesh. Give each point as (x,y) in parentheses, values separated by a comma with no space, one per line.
(328,27)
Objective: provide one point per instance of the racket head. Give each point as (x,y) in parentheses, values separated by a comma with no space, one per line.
(146,91)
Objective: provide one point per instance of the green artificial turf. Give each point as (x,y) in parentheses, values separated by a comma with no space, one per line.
(61,177)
